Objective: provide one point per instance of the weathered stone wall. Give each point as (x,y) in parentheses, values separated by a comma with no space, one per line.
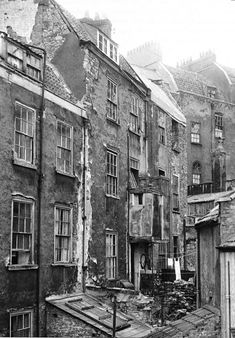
(227,219)
(61,324)
(18,288)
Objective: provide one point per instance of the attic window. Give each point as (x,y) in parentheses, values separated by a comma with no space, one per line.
(23,60)
(211,92)
(108,48)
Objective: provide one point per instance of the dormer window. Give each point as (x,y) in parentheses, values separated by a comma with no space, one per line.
(21,58)
(109,48)
(211,92)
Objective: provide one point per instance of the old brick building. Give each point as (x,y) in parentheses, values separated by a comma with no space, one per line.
(203,89)
(42,185)
(129,154)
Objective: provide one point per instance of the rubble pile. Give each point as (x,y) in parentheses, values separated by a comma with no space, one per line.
(173,300)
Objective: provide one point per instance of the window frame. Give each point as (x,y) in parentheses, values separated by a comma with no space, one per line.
(109,174)
(196,172)
(70,210)
(134,165)
(162,135)
(195,138)
(19,313)
(112,104)
(134,115)
(219,127)
(108,47)
(67,125)
(175,194)
(30,201)
(107,268)
(33,137)
(22,62)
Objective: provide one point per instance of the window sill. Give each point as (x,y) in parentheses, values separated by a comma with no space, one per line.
(64,174)
(16,267)
(134,132)
(65,265)
(22,163)
(176,211)
(115,122)
(196,143)
(114,197)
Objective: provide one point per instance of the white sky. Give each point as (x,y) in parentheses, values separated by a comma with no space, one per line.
(183,28)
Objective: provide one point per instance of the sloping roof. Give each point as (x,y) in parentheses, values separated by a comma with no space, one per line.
(99,315)
(230,72)
(56,84)
(229,243)
(190,81)
(188,323)
(208,197)
(160,97)
(212,215)
(76,24)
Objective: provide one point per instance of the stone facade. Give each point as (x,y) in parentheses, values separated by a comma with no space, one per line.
(26,281)
(116,148)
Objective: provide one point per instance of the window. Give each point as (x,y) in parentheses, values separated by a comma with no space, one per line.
(134,116)
(22,232)
(111,174)
(21,324)
(161,131)
(15,56)
(161,172)
(176,246)
(111,255)
(161,126)
(109,48)
(33,67)
(218,125)
(112,101)
(62,234)
(64,148)
(196,172)
(211,92)
(24,60)
(175,190)
(163,249)
(195,132)
(134,173)
(24,133)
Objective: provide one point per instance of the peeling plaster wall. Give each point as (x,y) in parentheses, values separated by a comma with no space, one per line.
(12,13)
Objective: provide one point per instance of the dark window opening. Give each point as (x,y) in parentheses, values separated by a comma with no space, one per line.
(175,246)
(161,172)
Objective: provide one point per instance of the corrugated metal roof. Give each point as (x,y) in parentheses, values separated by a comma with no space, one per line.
(187,323)
(160,98)
(99,315)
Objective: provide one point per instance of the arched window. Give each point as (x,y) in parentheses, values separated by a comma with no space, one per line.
(197,172)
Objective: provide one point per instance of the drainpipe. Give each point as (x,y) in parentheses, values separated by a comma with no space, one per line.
(84,218)
(184,233)
(128,206)
(229,301)
(39,187)
(198,281)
